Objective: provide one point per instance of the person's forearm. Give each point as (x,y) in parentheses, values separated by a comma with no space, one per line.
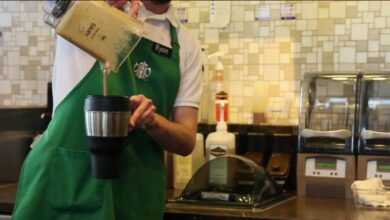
(173,137)
(176,135)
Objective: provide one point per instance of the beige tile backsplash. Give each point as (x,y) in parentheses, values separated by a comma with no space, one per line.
(26,51)
(325,36)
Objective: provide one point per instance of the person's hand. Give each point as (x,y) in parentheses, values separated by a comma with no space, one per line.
(142,112)
(121,3)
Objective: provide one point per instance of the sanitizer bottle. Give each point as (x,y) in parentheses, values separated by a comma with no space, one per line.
(218,144)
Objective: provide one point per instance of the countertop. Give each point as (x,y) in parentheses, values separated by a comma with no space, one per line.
(303,208)
(7,197)
(313,208)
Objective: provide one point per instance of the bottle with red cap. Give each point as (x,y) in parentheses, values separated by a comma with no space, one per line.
(221,96)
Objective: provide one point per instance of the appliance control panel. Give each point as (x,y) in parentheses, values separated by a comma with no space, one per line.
(378,169)
(325,167)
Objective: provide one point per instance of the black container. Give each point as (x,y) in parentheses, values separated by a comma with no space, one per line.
(106,119)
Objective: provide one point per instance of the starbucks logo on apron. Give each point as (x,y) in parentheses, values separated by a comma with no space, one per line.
(142,70)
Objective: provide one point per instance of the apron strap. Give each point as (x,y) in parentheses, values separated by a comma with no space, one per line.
(174,39)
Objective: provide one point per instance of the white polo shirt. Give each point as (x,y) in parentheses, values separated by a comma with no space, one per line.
(71,64)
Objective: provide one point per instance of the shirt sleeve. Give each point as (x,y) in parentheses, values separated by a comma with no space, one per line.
(190,88)
(71,65)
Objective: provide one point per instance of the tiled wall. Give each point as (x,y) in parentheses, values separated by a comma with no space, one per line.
(325,36)
(26,54)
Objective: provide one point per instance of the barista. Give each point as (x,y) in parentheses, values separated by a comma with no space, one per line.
(56,180)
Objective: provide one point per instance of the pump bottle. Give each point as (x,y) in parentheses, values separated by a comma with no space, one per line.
(221,96)
(219,143)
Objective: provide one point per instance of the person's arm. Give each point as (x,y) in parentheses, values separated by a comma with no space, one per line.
(176,135)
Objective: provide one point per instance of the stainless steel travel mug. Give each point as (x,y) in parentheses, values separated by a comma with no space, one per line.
(106,121)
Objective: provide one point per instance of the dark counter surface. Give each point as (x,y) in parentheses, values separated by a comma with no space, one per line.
(7,197)
(304,208)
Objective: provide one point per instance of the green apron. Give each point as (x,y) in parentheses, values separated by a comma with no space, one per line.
(56,180)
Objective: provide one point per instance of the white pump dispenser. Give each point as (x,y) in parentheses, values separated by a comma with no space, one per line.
(219,143)
(218,70)
(219,65)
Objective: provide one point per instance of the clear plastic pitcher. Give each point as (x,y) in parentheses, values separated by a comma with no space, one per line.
(103,31)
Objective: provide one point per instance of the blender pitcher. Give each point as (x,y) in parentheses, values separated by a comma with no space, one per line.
(103,31)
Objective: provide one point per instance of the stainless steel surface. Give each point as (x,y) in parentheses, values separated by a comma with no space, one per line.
(107,124)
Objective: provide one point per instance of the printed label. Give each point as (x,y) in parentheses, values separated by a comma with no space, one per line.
(217,150)
(214,196)
(162,50)
(218,172)
(91,30)
(218,168)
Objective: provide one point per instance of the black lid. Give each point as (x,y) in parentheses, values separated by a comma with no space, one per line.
(106,103)
(60,8)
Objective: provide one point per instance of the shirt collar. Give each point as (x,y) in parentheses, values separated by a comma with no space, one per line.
(145,15)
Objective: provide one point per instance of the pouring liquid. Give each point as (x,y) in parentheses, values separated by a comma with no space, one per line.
(106,70)
(105,73)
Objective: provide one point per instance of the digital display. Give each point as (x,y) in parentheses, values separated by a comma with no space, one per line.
(326,163)
(383,166)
